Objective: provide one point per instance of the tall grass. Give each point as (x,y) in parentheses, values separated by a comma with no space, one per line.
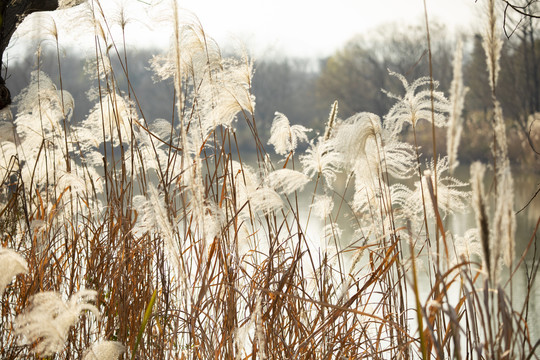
(159,239)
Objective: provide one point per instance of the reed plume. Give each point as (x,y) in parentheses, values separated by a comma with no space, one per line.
(45,322)
(13,264)
(200,251)
(457,101)
(284,136)
(104,350)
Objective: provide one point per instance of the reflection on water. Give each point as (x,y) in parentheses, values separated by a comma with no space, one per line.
(526,185)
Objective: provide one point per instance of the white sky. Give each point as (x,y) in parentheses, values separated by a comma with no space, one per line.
(314,28)
(307,28)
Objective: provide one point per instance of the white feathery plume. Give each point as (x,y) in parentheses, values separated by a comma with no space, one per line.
(46,321)
(200,53)
(43,27)
(452,190)
(368,196)
(500,137)
(352,135)
(367,167)
(504,219)
(331,120)
(104,350)
(401,194)
(399,158)
(265,199)
(154,218)
(12,265)
(285,137)
(241,337)
(226,93)
(457,101)
(245,181)
(492,44)
(111,118)
(415,105)
(162,129)
(121,14)
(370,189)
(193,51)
(214,220)
(332,231)
(97,69)
(248,187)
(42,97)
(322,206)
(192,175)
(8,155)
(40,114)
(504,222)
(451,197)
(321,159)
(468,246)
(70,180)
(286,181)
(259,328)
(38,171)
(153,153)
(42,110)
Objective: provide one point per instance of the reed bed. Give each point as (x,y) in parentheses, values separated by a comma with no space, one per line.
(141,238)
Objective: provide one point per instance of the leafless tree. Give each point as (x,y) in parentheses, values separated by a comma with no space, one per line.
(525,9)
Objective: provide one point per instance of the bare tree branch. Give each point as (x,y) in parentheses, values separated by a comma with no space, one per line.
(522,9)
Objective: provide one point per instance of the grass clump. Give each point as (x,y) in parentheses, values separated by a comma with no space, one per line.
(193,252)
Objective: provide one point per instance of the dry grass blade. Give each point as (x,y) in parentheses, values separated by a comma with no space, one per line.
(326,253)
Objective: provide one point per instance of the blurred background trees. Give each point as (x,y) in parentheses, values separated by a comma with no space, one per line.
(304,89)
(356,74)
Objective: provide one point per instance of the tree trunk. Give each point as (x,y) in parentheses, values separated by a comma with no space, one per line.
(12,14)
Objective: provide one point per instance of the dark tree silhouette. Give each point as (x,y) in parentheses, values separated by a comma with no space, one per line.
(12,13)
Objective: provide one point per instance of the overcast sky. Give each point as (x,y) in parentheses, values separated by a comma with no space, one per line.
(316,27)
(307,28)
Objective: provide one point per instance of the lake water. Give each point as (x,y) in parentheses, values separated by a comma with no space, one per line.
(526,184)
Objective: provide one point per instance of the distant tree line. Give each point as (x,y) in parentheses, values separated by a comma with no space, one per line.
(304,89)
